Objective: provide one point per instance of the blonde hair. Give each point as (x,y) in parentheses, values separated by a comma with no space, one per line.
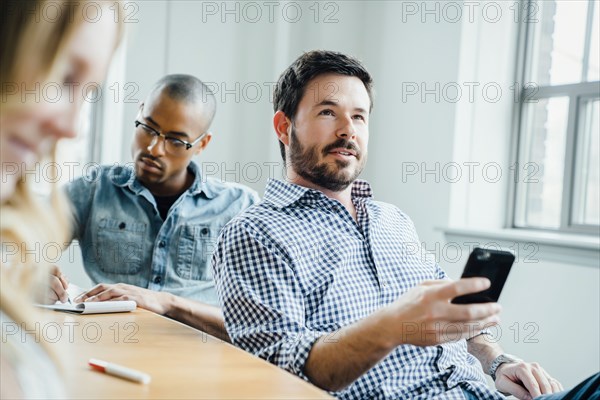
(27,226)
(31,43)
(31,49)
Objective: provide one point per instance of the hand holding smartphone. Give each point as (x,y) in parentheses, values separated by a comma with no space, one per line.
(492,264)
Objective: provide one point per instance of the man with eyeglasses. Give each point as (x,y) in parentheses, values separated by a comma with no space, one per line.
(147,230)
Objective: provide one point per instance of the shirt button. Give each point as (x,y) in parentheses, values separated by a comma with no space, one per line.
(122,225)
(204,231)
(157,279)
(162,243)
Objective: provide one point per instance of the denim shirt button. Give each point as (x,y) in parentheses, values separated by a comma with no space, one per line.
(122,225)
(162,243)
(157,279)
(204,231)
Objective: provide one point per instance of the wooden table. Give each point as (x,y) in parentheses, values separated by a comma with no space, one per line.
(184,363)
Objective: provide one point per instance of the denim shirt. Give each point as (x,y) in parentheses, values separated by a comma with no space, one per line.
(124,239)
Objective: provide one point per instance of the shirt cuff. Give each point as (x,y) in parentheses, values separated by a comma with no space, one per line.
(302,348)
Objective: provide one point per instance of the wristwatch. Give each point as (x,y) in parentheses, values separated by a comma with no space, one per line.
(502,359)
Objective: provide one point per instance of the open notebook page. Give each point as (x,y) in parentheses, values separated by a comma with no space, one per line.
(95,307)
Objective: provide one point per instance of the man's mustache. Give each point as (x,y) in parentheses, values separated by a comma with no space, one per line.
(153,159)
(344,144)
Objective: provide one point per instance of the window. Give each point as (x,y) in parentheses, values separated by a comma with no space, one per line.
(558,119)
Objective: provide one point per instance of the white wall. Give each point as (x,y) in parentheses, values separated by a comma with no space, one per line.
(401,46)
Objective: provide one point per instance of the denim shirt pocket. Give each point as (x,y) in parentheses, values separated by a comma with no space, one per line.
(120,246)
(194,251)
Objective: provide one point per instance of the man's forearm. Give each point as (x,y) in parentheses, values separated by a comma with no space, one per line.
(483,350)
(201,316)
(336,361)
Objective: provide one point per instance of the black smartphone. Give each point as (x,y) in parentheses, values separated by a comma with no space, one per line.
(492,264)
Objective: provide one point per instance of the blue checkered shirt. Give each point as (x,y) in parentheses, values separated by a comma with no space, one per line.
(297,266)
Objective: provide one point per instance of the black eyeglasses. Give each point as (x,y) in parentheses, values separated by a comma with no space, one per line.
(173,145)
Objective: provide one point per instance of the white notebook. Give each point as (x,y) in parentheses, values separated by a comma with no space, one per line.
(92,307)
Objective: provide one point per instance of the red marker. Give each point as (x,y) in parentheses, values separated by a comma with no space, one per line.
(120,371)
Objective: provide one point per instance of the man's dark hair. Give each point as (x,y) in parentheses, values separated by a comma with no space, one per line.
(188,89)
(293,81)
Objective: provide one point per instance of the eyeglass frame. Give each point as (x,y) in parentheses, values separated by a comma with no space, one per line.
(158,134)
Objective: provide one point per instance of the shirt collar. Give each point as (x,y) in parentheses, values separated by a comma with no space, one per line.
(361,189)
(283,194)
(200,184)
(124,176)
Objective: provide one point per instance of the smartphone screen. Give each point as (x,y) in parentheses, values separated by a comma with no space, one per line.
(492,264)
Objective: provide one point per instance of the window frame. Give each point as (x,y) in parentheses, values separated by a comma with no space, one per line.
(531,92)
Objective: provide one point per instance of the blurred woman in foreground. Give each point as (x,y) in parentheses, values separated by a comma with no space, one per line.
(49,51)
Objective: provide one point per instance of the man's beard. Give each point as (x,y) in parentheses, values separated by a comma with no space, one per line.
(305,162)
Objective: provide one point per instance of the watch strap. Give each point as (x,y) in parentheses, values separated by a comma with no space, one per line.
(498,361)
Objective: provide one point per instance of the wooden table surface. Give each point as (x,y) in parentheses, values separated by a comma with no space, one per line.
(184,363)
